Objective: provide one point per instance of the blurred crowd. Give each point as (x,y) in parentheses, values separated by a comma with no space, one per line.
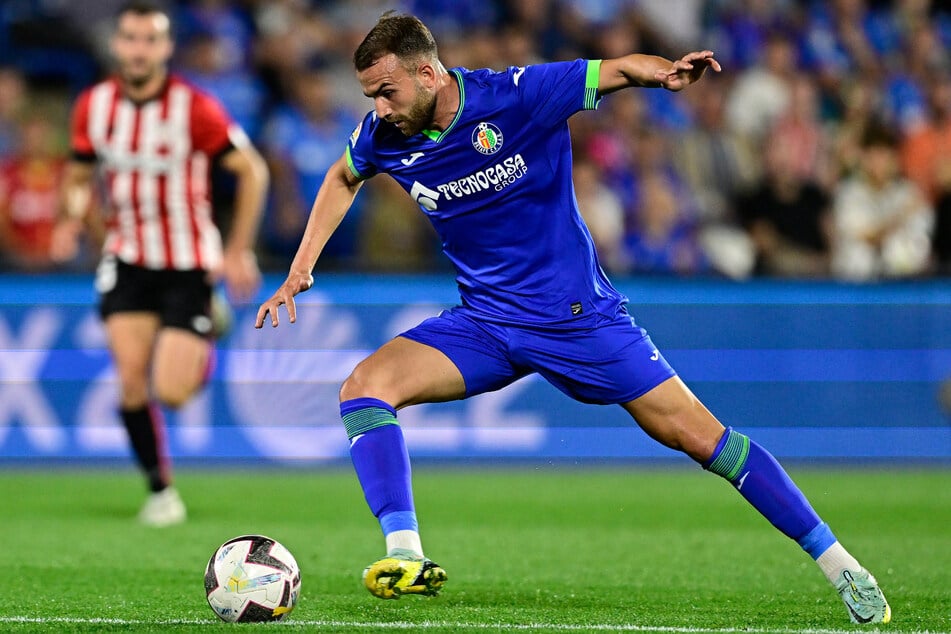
(823,149)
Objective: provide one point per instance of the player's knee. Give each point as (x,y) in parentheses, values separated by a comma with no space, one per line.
(173,396)
(352,388)
(360,384)
(134,391)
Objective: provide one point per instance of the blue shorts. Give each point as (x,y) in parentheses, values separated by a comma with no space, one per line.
(605,361)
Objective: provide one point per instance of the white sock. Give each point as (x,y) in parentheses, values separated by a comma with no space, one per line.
(405,539)
(836,559)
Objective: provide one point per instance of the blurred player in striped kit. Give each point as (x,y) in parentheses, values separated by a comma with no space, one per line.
(153,139)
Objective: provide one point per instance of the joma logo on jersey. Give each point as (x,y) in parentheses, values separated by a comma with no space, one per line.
(487,138)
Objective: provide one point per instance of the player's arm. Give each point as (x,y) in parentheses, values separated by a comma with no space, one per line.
(75,203)
(333,201)
(653,71)
(240,264)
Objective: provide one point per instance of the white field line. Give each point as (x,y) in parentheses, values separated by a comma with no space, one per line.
(455,625)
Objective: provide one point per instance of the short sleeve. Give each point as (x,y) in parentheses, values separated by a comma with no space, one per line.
(360,149)
(213,130)
(553,92)
(79,142)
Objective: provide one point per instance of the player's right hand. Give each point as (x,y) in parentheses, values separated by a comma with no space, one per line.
(294,284)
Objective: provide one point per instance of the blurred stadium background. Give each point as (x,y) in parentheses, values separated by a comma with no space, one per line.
(727,213)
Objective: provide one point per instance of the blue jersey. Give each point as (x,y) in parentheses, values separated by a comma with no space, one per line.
(496,185)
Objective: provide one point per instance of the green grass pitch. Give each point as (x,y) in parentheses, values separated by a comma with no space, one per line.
(547,548)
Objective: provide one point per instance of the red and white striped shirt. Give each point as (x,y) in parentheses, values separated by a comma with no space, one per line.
(155,156)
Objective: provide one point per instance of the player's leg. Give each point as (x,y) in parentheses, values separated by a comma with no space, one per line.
(445,358)
(671,414)
(183,348)
(401,372)
(130,308)
(131,339)
(180,365)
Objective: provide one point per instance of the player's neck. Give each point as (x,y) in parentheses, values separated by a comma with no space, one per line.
(447,102)
(146,91)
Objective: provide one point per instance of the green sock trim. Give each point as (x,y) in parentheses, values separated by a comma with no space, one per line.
(733,456)
(362,421)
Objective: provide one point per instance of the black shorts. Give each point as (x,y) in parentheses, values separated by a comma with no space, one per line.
(181,299)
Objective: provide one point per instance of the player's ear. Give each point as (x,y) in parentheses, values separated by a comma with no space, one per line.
(426,73)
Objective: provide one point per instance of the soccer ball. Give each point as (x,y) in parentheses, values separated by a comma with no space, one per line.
(252,578)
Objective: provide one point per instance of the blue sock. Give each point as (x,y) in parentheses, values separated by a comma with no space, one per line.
(381,461)
(763,482)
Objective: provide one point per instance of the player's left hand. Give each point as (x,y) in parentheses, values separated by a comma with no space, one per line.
(241,273)
(686,70)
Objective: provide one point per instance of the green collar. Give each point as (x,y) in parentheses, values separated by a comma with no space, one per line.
(438,136)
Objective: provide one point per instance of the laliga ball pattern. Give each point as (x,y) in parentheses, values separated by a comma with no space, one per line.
(252,578)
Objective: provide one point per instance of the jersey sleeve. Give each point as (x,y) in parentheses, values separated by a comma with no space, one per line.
(553,92)
(80,144)
(360,153)
(213,129)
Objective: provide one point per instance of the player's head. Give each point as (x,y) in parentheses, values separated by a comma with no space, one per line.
(398,66)
(142,42)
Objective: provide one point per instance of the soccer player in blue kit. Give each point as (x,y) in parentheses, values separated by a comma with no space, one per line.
(487,156)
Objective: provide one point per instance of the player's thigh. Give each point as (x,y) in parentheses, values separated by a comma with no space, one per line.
(405,372)
(180,365)
(603,361)
(671,414)
(448,357)
(131,338)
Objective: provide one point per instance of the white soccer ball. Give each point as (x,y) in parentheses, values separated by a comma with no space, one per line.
(252,578)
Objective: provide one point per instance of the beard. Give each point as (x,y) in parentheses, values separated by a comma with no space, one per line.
(420,115)
(138,75)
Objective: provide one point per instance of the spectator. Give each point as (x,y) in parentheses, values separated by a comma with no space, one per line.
(904,90)
(12,102)
(882,222)
(204,60)
(302,140)
(941,244)
(739,29)
(761,94)
(603,213)
(787,216)
(222,21)
(838,42)
(30,181)
(799,132)
(715,162)
(288,34)
(860,105)
(663,240)
(394,236)
(926,149)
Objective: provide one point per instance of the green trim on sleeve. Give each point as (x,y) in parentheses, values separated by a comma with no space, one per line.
(353,170)
(591,98)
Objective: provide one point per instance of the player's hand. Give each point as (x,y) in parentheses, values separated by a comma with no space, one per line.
(64,242)
(294,284)
(686,70)
(241,273)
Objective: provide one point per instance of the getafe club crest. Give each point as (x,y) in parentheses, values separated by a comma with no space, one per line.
(487,138)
